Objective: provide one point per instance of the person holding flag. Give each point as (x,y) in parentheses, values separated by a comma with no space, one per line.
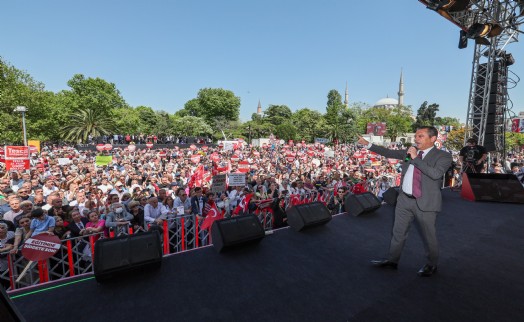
(211,212)
(243,205)
(198,202)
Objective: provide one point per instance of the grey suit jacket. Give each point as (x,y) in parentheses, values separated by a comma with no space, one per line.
(433,167)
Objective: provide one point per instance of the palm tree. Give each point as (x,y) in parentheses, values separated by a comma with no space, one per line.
(85,123)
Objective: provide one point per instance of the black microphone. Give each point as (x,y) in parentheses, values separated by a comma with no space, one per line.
(408,156)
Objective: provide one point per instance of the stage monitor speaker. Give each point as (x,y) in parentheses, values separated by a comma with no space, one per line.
(362,203)
(236,231)
(308,215)
(492,187)
(391,195)
(8,310)
(126,253)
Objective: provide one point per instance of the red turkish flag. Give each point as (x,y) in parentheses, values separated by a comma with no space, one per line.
(212,214)
(243,205)
(197,177)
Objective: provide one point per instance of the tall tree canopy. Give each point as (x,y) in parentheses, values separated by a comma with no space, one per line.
(86,122)
(18,88)
(310,124)
(211,103)
(339,119)
(94,106)
(398,120)
(94,94)
(277,114)
(426,115)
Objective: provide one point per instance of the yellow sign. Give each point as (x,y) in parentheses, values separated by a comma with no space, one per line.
(35,143)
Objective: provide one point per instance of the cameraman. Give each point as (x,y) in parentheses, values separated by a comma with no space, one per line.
(472,157)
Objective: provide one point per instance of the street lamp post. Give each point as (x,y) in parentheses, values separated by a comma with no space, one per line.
(23,109)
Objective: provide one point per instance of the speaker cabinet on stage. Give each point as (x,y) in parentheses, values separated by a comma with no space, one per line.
(391,195)
(308,215)
(362,203)
(126,253)
(8,310)
(492,187)
(235,231)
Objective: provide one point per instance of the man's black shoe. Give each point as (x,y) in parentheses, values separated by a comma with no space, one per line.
(384,264)
(427,270)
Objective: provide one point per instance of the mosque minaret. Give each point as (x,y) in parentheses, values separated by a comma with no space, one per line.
(401,90)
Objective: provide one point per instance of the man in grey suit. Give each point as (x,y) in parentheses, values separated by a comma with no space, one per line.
(420,197)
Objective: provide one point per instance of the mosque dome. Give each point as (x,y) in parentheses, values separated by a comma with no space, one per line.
(386,102)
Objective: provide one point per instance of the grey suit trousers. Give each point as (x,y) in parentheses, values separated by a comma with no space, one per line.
(405,211)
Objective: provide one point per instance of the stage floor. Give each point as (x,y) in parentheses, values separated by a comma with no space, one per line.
(322,274)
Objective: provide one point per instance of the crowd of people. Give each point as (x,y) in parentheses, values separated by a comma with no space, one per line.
(147,138)
(65,193)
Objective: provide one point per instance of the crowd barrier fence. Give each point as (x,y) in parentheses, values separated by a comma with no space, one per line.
(179,233)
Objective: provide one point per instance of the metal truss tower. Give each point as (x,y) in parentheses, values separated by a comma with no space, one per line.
(487,106)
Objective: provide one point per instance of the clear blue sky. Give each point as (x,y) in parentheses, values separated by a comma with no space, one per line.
(160,53)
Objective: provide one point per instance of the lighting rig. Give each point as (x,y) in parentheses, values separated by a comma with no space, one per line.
(491,25)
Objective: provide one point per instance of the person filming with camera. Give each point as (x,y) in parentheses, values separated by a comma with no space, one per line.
(472,157)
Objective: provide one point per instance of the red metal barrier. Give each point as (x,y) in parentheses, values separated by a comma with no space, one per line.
(166,238)
(70,258)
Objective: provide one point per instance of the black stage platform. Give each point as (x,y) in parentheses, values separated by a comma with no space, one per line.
(319,275)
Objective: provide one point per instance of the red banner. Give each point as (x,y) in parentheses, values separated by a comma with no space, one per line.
(16,157)
(41,247)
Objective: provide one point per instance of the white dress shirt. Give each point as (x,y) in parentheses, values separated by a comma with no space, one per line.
(407,184)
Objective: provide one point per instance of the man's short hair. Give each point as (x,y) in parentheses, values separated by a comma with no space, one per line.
(432,131)
(472,141)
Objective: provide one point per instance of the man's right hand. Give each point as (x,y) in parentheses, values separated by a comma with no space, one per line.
(362,141)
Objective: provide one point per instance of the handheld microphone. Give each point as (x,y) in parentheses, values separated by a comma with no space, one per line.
(408,156)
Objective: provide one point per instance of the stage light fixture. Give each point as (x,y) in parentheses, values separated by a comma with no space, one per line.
(463,40)
(481,31)
(448,5)
(509,59)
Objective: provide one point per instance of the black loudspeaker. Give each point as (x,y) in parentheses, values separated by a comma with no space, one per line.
(492,187)
(308,215)
(391,195)
(126,253)
(8,310)
(235,231)
(358,204)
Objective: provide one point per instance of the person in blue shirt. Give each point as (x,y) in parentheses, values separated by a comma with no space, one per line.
(41,223)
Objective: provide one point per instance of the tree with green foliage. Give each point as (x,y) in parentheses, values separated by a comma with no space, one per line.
(446,120)
(163,123)
(211,103)
(93,94)
(127,120)
(222,127)
(426,115)
(277,114)
(191,126)
(455,139)
(256,129)
(18,88)
(514,141)
(286,131)
(398,120)
(341,122)
(85,123)
(310,124)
